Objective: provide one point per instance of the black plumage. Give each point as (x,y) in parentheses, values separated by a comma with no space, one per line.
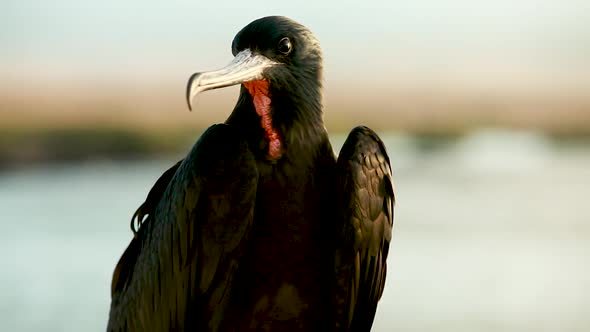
(260,228)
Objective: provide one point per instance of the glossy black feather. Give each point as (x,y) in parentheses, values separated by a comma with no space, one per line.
(231,239)
(188,252)
(148,207)
(365,204)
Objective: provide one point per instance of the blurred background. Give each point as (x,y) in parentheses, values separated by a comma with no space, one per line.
(484,107)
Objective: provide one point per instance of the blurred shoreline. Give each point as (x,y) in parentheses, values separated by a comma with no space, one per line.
(67,145)
(82,121)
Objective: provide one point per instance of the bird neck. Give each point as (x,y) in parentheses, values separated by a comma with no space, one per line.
(258,90)
(283,125)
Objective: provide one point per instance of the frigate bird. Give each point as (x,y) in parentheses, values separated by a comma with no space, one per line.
(260,227)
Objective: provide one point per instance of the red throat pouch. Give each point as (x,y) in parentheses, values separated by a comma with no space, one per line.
(259,92)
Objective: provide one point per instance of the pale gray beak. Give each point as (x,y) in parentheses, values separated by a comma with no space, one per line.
(245,67)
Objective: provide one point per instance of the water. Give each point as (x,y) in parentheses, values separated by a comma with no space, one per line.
(491,234)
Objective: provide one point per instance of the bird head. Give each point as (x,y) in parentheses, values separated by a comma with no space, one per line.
(278,62)
(274,49)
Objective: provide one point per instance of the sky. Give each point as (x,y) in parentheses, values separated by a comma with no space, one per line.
(376,39)
(419,63)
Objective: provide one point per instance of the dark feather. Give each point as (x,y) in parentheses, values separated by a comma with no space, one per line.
(233,238)
(185,258)
(149,206)
(365,201)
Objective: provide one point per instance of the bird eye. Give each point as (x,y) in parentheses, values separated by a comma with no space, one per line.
(285,46)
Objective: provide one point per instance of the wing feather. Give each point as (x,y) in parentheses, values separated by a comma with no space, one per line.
(365,200)
(179,267)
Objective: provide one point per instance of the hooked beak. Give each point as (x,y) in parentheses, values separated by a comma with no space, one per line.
(245,67)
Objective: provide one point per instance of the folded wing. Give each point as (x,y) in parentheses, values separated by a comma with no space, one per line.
(365,203)
(178,270)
